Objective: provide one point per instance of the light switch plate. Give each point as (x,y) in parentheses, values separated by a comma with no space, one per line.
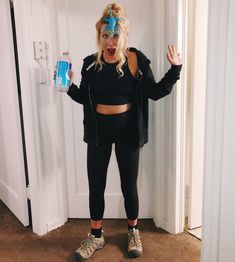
(40,50)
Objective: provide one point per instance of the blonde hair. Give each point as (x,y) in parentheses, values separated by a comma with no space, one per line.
(117,11)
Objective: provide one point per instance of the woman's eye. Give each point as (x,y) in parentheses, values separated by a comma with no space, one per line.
(115,36)
(105,36)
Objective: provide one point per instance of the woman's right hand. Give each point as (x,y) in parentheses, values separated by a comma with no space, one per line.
(54,72)
(71,77)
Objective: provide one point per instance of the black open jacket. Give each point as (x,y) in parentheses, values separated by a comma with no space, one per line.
(146,88)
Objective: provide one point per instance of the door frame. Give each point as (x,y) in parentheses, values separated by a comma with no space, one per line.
(196,109)
(168,213)
(170,27)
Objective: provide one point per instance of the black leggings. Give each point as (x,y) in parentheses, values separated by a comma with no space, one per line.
(121,130)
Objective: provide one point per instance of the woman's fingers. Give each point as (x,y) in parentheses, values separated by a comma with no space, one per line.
(71,77)
(54,72)
(170,50)
(169,58)
(173,56)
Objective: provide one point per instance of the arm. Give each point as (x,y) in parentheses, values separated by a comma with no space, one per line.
(158,90)
(77,93)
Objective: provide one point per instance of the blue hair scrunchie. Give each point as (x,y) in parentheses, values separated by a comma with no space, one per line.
(112,26)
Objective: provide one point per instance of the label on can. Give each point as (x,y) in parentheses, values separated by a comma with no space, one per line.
(62,73)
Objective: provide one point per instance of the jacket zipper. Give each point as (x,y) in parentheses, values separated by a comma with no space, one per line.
(93,112)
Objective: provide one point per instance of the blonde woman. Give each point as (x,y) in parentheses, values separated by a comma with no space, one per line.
(116,84)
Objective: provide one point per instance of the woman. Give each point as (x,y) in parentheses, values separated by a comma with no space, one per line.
(114,90)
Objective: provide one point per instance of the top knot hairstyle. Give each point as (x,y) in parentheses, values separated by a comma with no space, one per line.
(117,11)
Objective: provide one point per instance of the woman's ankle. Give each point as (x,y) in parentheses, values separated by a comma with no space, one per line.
(132,224)
(96,224)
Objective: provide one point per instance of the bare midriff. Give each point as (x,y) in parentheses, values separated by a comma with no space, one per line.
(112,109)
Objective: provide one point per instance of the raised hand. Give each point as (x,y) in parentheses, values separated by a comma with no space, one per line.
(172,56)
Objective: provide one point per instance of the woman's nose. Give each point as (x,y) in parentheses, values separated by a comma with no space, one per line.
(110,40)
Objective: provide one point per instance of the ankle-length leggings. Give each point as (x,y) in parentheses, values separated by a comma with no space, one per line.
(119,129)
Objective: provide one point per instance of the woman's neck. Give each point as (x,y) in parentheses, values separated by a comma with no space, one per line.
(110,60)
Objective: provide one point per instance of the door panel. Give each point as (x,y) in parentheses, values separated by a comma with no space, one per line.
(12,171)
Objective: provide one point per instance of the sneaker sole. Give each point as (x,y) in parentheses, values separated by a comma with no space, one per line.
(79,258)
(134,253)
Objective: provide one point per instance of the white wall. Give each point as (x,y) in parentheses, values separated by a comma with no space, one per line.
(219,194)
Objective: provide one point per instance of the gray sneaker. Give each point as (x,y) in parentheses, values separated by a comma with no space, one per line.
(135,248)
(89,246)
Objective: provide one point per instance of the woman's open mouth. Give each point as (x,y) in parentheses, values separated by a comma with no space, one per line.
(111,51)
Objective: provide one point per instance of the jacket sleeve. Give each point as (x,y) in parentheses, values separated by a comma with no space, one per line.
(75,92)
(162,88)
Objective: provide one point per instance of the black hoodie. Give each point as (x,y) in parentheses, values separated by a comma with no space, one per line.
(146,88)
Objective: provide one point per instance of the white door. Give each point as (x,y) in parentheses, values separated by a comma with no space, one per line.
(12,171)
(82,18)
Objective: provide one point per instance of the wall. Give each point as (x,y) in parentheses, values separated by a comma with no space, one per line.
(219,179)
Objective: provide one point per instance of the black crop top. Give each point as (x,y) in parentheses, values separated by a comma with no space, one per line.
(110,88)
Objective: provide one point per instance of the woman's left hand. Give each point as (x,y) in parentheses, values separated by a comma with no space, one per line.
(172,56)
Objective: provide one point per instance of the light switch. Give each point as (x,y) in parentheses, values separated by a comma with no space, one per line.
(40,50)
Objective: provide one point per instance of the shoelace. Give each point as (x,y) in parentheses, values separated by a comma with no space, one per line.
(135,239)
(88,244)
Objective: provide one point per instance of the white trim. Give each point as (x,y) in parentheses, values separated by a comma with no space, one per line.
(196,110)
(158,66)
(176,31)
(90,66)
(169,210)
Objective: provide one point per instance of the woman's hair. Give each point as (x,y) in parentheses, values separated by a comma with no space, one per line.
(123,25)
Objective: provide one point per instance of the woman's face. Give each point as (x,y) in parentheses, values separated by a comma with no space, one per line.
(109,44)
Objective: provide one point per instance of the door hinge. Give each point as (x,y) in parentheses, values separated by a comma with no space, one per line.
(28,192)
